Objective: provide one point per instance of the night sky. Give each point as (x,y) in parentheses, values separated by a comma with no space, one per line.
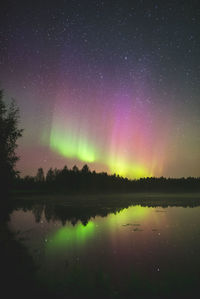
(114,84)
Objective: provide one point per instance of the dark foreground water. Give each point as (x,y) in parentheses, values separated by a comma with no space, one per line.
(134,252)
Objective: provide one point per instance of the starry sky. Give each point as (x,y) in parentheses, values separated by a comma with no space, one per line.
(114,84)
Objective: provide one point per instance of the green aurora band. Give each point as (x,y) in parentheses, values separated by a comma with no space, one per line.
(119,139)
(71,147)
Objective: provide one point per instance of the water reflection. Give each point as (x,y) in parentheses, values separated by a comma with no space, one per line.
(113,252)
(71,236)
(84,211)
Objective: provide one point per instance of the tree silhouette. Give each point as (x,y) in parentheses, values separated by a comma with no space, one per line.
(75,169)
(9,133)
(85,169)
(73,181)
(50,176)
(40,175)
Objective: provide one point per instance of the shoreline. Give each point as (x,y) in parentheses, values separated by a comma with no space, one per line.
(109,200)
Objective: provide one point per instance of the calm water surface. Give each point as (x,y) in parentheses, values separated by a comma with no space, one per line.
(139,251)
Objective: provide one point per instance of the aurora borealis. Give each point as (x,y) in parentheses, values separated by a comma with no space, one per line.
(122,139)
(114,84)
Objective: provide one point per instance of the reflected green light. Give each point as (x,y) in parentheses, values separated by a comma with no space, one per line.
(130,215)
(69,235)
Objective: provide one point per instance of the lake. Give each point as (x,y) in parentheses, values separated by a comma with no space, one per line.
(136,252)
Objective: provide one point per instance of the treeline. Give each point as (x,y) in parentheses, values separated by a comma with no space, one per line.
(85,181)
